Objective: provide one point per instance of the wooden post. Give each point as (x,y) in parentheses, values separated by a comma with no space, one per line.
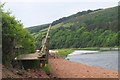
(47,49)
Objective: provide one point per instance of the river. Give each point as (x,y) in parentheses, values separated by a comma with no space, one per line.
(103,59)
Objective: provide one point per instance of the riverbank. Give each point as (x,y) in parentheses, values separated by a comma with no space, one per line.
(62,68)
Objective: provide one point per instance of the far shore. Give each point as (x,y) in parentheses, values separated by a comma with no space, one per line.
(98,48)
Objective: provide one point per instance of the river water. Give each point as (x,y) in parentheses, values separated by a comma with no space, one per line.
(103,59)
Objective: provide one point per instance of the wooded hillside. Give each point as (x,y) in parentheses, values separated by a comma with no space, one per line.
(91,28)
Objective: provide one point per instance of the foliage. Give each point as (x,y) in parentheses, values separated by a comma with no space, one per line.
(15,39)
(80,38)
(47,69)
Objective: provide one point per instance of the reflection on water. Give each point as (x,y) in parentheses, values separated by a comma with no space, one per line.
(105,59)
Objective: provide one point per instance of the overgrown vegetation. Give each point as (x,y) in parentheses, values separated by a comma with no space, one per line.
(15,39)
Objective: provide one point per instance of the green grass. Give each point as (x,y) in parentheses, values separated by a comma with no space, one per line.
(64,52)
(47,69)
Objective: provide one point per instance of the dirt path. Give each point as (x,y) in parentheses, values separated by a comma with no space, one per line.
(66,69)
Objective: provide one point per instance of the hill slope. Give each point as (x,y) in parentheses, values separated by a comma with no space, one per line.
(91,28)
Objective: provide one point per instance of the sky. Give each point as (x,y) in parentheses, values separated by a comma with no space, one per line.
(37,12)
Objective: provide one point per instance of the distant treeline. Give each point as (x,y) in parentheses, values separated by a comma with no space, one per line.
(35,29)
(66,19)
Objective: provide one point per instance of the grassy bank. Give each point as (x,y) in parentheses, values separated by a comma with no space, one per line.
(64,52)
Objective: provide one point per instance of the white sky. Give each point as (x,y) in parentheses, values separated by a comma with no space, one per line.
(36,12)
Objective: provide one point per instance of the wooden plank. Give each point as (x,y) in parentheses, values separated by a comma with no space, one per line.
(33,56)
